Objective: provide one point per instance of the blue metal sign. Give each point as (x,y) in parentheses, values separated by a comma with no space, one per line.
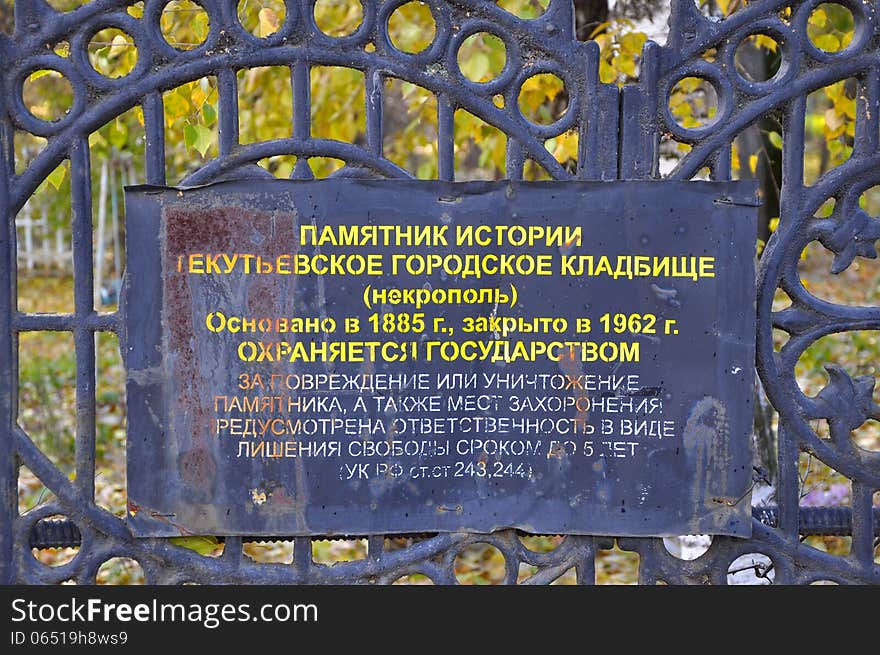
(363,357)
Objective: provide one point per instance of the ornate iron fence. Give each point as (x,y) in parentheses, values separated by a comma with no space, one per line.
(620,131)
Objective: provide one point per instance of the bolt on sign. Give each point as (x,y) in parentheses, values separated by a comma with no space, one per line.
(346,357)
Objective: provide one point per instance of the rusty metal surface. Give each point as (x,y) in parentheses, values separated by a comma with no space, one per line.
(586,470)
(619,131)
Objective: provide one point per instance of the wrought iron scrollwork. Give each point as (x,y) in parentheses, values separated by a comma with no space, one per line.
(619,132)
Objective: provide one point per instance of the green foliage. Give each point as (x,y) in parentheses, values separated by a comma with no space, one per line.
(190,125)
(482,57)
(201,545)
(184,24)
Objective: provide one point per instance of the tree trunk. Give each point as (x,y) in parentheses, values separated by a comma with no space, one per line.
(588,15)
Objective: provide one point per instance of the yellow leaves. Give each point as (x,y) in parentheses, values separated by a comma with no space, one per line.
(620,48)
(198,133)
(468,124)
(842,112)
(601,32)
(753,163)
(692,102)
(201,545)
(528,9)
(834,121)
(772,226)
(478,67)
(338,17)
(118,45)
(338,109)
(265,103)
(117,134)
(411,27)
(627,66)
(830,125)
(480,148)
(564,147)
(47,95)
(826,209)
(338,103)
(279,165)
(262,18)
(492,150)
(759,247)
(96,140)
(827,42)
(199,94)
(815,123)
(325,166)
(831,27)
(681,109)
(410,141)
(839,151)
(269,22)
(41,73)
(607,73)
(538,90)
(632,42)
(176,105)
(191,117)
(112,53)
(200,26)
(725,6)
(689,85)
(765,42)
(482,57)
(56,177)
(184,24)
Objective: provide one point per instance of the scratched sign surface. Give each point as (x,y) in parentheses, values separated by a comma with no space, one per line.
(363,356)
